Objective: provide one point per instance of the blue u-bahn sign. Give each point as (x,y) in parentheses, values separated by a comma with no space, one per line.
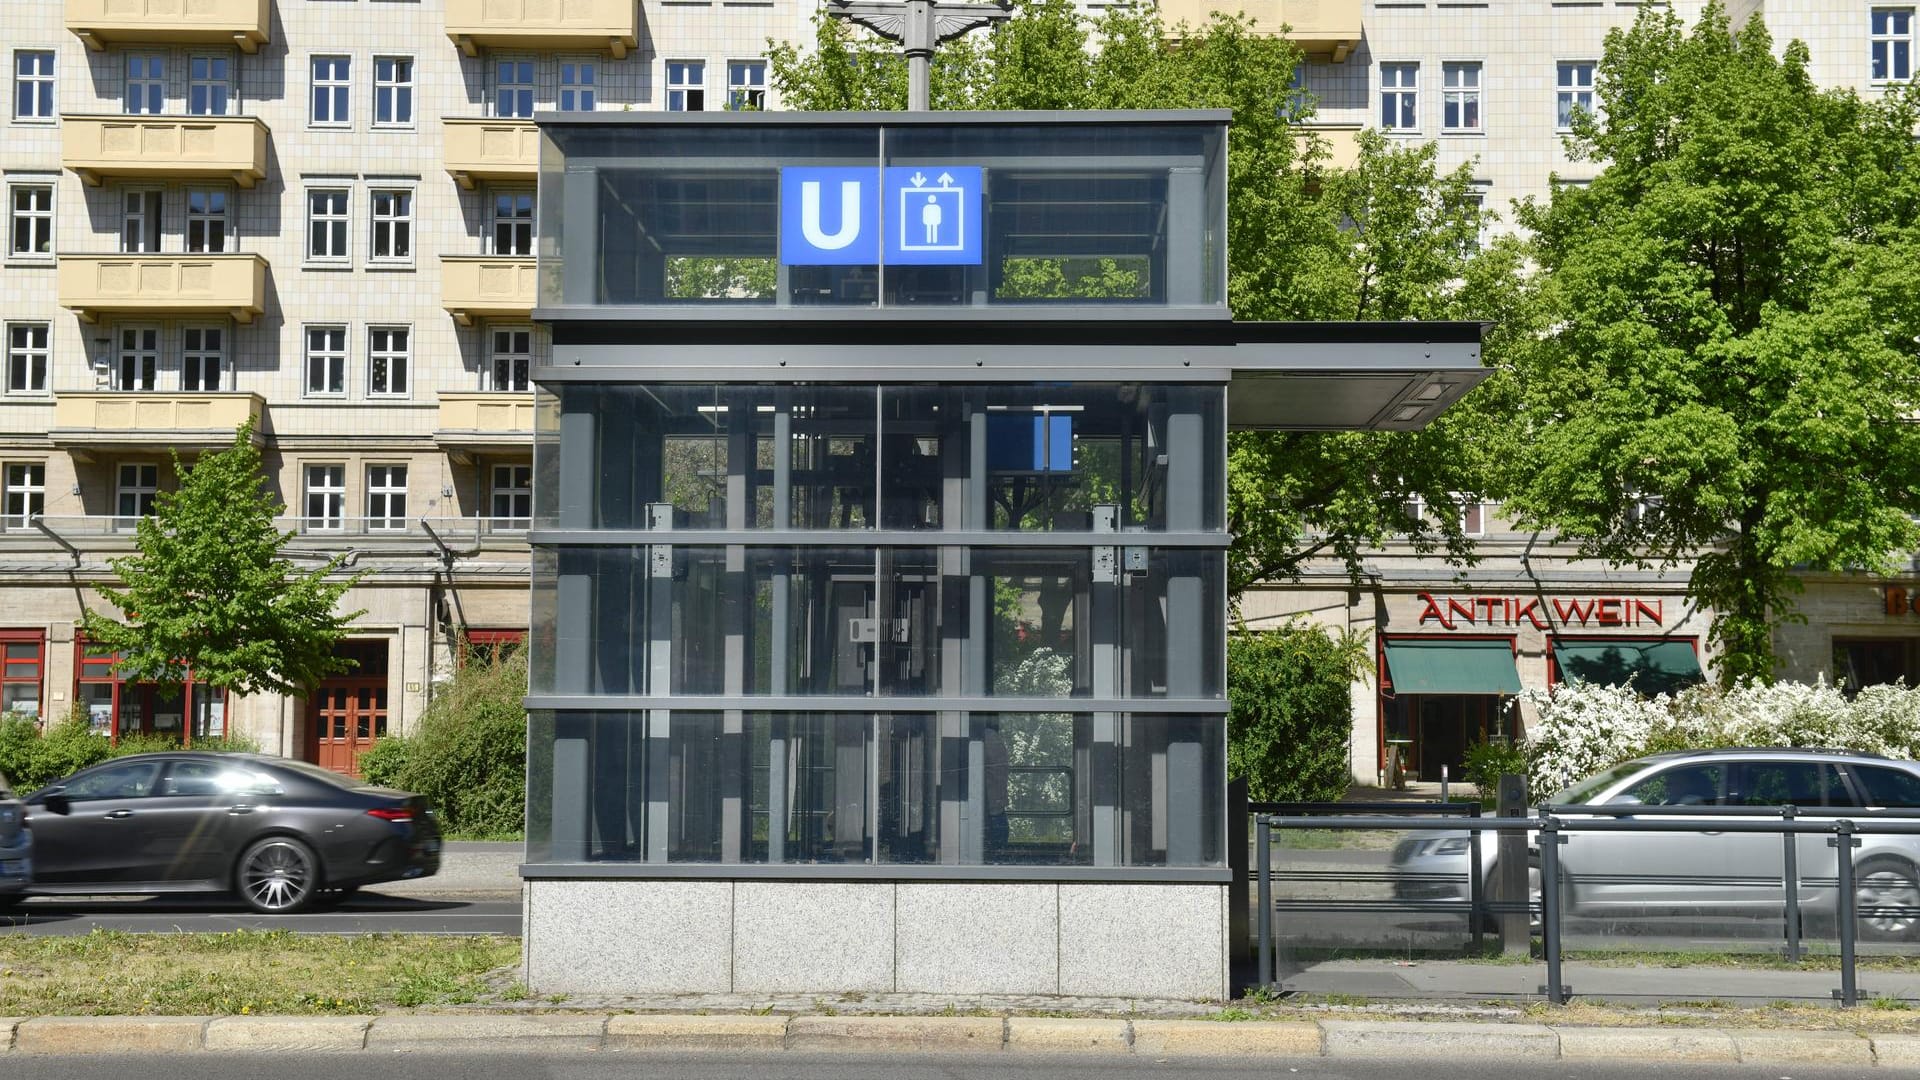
(904,215)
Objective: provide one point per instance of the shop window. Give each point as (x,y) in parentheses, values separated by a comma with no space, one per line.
(117,707)
(1862,662)
(1664,665)
(23,656)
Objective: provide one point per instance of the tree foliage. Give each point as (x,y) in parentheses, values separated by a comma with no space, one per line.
(1290,718)
(1735,302)
(469,756)
(209,592)
(1392,238)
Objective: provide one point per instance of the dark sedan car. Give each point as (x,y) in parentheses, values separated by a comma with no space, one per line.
(280,834)
(16,847)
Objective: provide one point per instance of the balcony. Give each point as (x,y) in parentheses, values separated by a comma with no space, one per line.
(100,23)
(1343,146)
(484,422)
(163,285)
(486,286)
(1324,30)
(480,149)
(610,25)
(121,420)
(165,147)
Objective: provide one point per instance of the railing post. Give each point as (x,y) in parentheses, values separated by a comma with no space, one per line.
(1476,883)
(1263,857)
(1843,913)
(1791,881)
(1550,841)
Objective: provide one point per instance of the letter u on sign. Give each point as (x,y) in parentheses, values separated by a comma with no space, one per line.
(829,217)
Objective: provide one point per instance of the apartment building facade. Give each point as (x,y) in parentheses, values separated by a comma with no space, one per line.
(317,215)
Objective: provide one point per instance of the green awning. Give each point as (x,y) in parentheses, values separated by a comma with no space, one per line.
(1443,666)
(1655,667)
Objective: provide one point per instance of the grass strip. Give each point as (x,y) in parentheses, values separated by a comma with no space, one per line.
(108,972)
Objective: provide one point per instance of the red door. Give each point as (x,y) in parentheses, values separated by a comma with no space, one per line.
(345,716)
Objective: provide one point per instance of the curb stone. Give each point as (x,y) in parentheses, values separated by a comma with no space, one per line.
(1646,1044)
(723,1032)
(1896,1050)
(1211,1038)
(1803,1048)
(942,1034)
(110,1035)
(535,1033)
(1412,1038)
(7,1024)
(1056,1035)
(299,1034)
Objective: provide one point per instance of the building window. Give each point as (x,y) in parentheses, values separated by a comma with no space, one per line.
(140,221)
(1575,92)
(24,653)
(577,85)
(513,223)
(512,496)
(326,361)
(510,359)
(332,83)
(27,357)
(26,494)
(513,89)
(387,361)
(210,86)
(139,483)
(393,226)
(325,498)
(747,85)
(146,84)
(1460,97)
(1400,97)
(206,219)
(327,225)
(139,358)
(393,91)
(32,232)
(1474,512)
(489,646)
(386,497)
(203,352)
(1891,37)
(117,707)
(33,84)
(686,85)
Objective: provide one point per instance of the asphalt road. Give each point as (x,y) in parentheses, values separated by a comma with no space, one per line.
(366,913)
(489,1065)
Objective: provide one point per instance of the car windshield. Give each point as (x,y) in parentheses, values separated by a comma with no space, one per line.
(1585,791)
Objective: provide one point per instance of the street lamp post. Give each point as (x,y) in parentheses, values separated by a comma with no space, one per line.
(919,26)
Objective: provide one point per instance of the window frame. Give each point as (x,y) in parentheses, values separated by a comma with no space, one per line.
(527,92)
(386,492)
(1876,41)
(333,515)
(194,359)
(38,680)
(206,219)
(490,370)
(26,354)
(339,225)
(152,216)
(46,219)
(1466,97)
(397,360)
(570,95)
(399,227)
(514,491)
(147,79)
(521,225)
(337,84)
(224,84)
(1406,94)
(756,90)
(398,92)
(143,493)
(1567,95)
(33,495)
(138,363)
(334,358)
(677,90)
(46,84)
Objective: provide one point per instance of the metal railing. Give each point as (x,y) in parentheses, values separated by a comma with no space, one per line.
(1550,828)
(104,526)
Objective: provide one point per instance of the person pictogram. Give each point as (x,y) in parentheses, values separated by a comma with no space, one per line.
(930,216)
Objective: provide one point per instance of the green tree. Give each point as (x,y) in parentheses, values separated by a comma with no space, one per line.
(1390,239)
(1731,371)
(1290,719)
(209,590)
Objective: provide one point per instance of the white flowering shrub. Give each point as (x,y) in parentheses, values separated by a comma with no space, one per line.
(1584,727)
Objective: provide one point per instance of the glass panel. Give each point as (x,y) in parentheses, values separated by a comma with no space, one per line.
(877,788)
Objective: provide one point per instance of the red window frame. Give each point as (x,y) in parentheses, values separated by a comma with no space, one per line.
(487,643)
(93,668)
(38,662)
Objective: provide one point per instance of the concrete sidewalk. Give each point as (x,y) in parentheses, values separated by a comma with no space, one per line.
(470,869)
(1457,980)
(1073,1038)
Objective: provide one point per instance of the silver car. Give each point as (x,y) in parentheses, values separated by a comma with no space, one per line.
(1711,871)
(16,848)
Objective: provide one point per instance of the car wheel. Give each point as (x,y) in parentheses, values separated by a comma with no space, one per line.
(278,875)
(1893,887)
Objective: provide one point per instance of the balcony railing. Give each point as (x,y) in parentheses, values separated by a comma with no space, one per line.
(1323,29)
(486,286)
(452,529)
(234,285)
(165,147)
(185,421)
(484,422)
(100,23)
(611,25)
(486,149)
